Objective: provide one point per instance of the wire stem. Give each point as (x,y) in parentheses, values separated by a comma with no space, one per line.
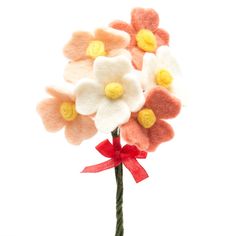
(120,189)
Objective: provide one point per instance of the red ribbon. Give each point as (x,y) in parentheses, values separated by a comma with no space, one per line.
(126,155)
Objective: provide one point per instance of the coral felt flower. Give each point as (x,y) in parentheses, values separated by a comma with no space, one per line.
(113,94)
(145,34)
(84,48)
(160,70)
(146,129)
(59,111)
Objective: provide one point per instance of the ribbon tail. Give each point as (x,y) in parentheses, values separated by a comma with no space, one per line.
(100,167)
(138,172)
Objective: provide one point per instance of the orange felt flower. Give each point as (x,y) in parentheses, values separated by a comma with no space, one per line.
(146,129)
(145,34)
(59,111)
(84,48)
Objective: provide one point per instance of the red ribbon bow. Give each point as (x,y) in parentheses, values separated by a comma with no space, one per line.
(126,155)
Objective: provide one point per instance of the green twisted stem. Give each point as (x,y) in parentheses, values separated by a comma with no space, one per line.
(119,194)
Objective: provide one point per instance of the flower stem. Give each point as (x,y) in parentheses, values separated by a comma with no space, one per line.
(119,193)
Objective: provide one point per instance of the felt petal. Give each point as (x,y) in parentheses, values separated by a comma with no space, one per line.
(144,19)
(121,25)
(111,114)
(134,134)
(88,95)
(150,67)
(162,37)
(80,129)
(166,60)
(163,103)
(49,109)
(112,38)
(75,71)
(75,49)
(60,94)
(120,52)
(111,69)
(137,56)
(159,133)
(133,95)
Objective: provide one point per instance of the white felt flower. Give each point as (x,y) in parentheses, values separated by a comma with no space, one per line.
(113,94)
(160,69)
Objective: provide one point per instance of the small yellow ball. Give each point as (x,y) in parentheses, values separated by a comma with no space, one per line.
(67,111)
(146,40)
(164,78)
(114,90)
(146,118)
(95,49)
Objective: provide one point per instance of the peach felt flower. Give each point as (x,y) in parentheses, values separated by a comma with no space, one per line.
(84,48)
(145,34)
(59,111)
(146,129)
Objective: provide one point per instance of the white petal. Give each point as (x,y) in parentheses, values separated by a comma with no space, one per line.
(88,95)
(150,67)
(111,114)
(166,60)
(111,69)
(75,71)
(133,95)
(150,64)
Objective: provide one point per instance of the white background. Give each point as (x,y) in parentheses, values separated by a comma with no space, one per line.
(192,186)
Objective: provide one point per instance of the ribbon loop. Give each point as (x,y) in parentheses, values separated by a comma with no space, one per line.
(127,155)
(106,148)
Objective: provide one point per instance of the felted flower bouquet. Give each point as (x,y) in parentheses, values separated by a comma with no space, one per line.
(124,79)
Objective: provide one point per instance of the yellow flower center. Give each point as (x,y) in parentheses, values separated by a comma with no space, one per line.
(164,78)
(146,118)
(95,49)
(114,90)
(146,40)
(68,112)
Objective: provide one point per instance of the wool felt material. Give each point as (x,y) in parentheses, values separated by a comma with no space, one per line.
(76,130)
(165,106)
(92,96)
(141,18)
(124,77)
(76,50)
(162,61)
(77,70)
(84,68)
